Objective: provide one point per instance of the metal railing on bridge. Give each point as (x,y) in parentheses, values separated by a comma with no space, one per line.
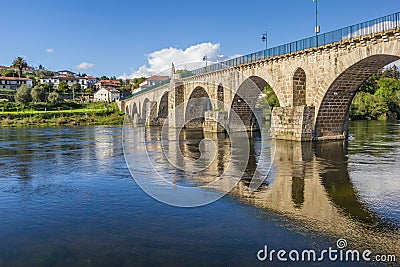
(147,89)
(358,30)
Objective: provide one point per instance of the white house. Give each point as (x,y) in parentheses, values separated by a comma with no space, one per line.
(106,95)
(66,73)
(154,80)
(14,82)
(84,82)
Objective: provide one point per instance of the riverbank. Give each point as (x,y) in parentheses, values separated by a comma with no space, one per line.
(103,116)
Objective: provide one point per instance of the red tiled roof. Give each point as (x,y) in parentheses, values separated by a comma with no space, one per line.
(109,82)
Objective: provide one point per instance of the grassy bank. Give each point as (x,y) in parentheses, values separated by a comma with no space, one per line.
(107,115)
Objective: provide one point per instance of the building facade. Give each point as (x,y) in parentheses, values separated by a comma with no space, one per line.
(107,95)
(14,83)
(84,82)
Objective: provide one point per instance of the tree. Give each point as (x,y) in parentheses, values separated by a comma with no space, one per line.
(23,95)
(391,72)
(76,87)
(50,86)
(44,73)
(8,73)
(19,63)
(89,90)
(138,81)
(53,98)
(62,86)
(47,87)
(378,96)
(38,94)
(271,97)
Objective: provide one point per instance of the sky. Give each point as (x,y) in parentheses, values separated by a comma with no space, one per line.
(134,38)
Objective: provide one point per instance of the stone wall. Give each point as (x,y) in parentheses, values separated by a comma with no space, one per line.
(293,123)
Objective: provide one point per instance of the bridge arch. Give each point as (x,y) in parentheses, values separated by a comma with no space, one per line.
(245,100)
(198,103)
(299,87)
(163,106)
(145,112)
(220,94)
(333,112)
(134,109)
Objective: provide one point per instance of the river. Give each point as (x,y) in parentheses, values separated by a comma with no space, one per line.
(68,199)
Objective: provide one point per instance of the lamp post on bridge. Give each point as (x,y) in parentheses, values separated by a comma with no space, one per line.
(205,59)
(317,27)
(264,38)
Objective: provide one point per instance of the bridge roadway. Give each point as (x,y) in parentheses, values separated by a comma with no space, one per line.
(315,85)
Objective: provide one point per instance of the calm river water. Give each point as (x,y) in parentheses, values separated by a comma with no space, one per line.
(67,198)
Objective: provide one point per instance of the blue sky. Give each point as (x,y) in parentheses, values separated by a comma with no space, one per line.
(118,37)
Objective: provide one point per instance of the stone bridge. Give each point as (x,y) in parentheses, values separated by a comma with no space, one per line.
(315,85)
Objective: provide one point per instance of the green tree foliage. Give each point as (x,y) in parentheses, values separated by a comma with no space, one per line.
(19,63)
(23,95)
(53,98)
(378,97)
(63,87)
(42,73)
(38,94)
(392,72)
(47,87)
(88,90)
(50,86)
(138,81)
(76,88)
(271,97)
(8,73)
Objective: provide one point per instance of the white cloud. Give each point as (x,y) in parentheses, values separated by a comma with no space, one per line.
(84,65)
(50,50)
(190,58)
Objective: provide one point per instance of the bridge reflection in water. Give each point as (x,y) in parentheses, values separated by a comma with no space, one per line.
(308,183)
